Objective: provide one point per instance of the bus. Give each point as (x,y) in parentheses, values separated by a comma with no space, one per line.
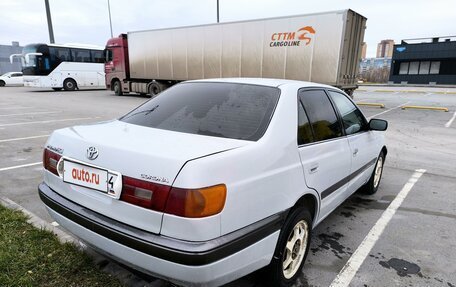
(69,67)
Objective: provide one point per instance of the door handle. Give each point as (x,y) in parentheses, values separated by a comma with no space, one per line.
(313,168)
(355,152)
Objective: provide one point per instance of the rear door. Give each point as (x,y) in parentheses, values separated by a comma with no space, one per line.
(323,148)
(363,143)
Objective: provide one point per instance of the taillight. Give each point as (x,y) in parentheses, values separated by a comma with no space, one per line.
(143,193)
(194,203)
(50,160)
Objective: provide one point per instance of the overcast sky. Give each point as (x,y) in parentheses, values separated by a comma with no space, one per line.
(87,21)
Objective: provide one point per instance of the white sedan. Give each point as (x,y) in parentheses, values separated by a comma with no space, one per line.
(213,179)
(11,79)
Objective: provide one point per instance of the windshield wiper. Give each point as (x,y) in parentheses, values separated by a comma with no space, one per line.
(148,111)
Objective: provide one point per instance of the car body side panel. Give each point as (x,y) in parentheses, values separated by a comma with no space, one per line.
(11,79)
(192,229)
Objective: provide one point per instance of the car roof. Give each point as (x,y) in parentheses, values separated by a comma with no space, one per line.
(264,82)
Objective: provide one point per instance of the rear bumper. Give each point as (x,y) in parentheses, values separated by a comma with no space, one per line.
(208,263)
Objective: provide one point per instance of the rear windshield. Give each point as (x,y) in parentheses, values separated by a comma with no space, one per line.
(228,110)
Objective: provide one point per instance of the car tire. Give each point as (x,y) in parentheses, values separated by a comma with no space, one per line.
(69,85)
(2,83)
(117,88)
(372,184)
(57,89)
(292,248)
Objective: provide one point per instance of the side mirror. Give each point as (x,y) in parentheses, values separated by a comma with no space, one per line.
(378,125)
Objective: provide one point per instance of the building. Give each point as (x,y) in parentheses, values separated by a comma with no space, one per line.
(368,64)
(363,50)
(385,49)
(374,70)
(5,52)
(424,61)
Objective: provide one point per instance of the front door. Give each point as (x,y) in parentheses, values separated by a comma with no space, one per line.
(363,143)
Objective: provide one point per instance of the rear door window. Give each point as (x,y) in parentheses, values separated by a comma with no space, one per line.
(321,114)
(229,110)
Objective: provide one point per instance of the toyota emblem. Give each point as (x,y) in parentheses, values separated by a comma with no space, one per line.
(92,153)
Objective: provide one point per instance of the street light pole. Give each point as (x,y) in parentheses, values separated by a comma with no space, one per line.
(48,15)
(110,22)
(218,13)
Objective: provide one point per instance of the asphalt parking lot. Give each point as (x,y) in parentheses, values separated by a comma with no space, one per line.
(359,244)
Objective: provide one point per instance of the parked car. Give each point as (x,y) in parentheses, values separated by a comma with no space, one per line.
(213,179)
(11,79)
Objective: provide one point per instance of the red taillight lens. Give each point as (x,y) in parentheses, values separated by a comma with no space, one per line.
(191,203)
(50,160)
(195,203)
(143,193)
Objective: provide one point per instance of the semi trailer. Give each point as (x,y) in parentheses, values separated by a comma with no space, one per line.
(321,47)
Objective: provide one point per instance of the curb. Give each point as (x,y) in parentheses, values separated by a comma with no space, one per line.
(382,106)
(125,276)
(425,108)
(38,222)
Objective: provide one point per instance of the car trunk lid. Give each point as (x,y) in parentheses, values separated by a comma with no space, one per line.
(134,151)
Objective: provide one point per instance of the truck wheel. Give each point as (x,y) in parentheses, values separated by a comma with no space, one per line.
(69,85)
(292,248)
(371,186)
(155,89)
(2,83)
(117,88)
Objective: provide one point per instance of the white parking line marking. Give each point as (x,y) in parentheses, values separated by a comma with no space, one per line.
(353,264)
(26,138)
(448,124)
(384,112)
(46,122)
(25,114)
(20,166)
(13,108)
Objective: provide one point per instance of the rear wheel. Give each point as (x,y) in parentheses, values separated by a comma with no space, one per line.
(2,83)
(117,87)
(155,89)
(292,248)
(69,85)
(371,186)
